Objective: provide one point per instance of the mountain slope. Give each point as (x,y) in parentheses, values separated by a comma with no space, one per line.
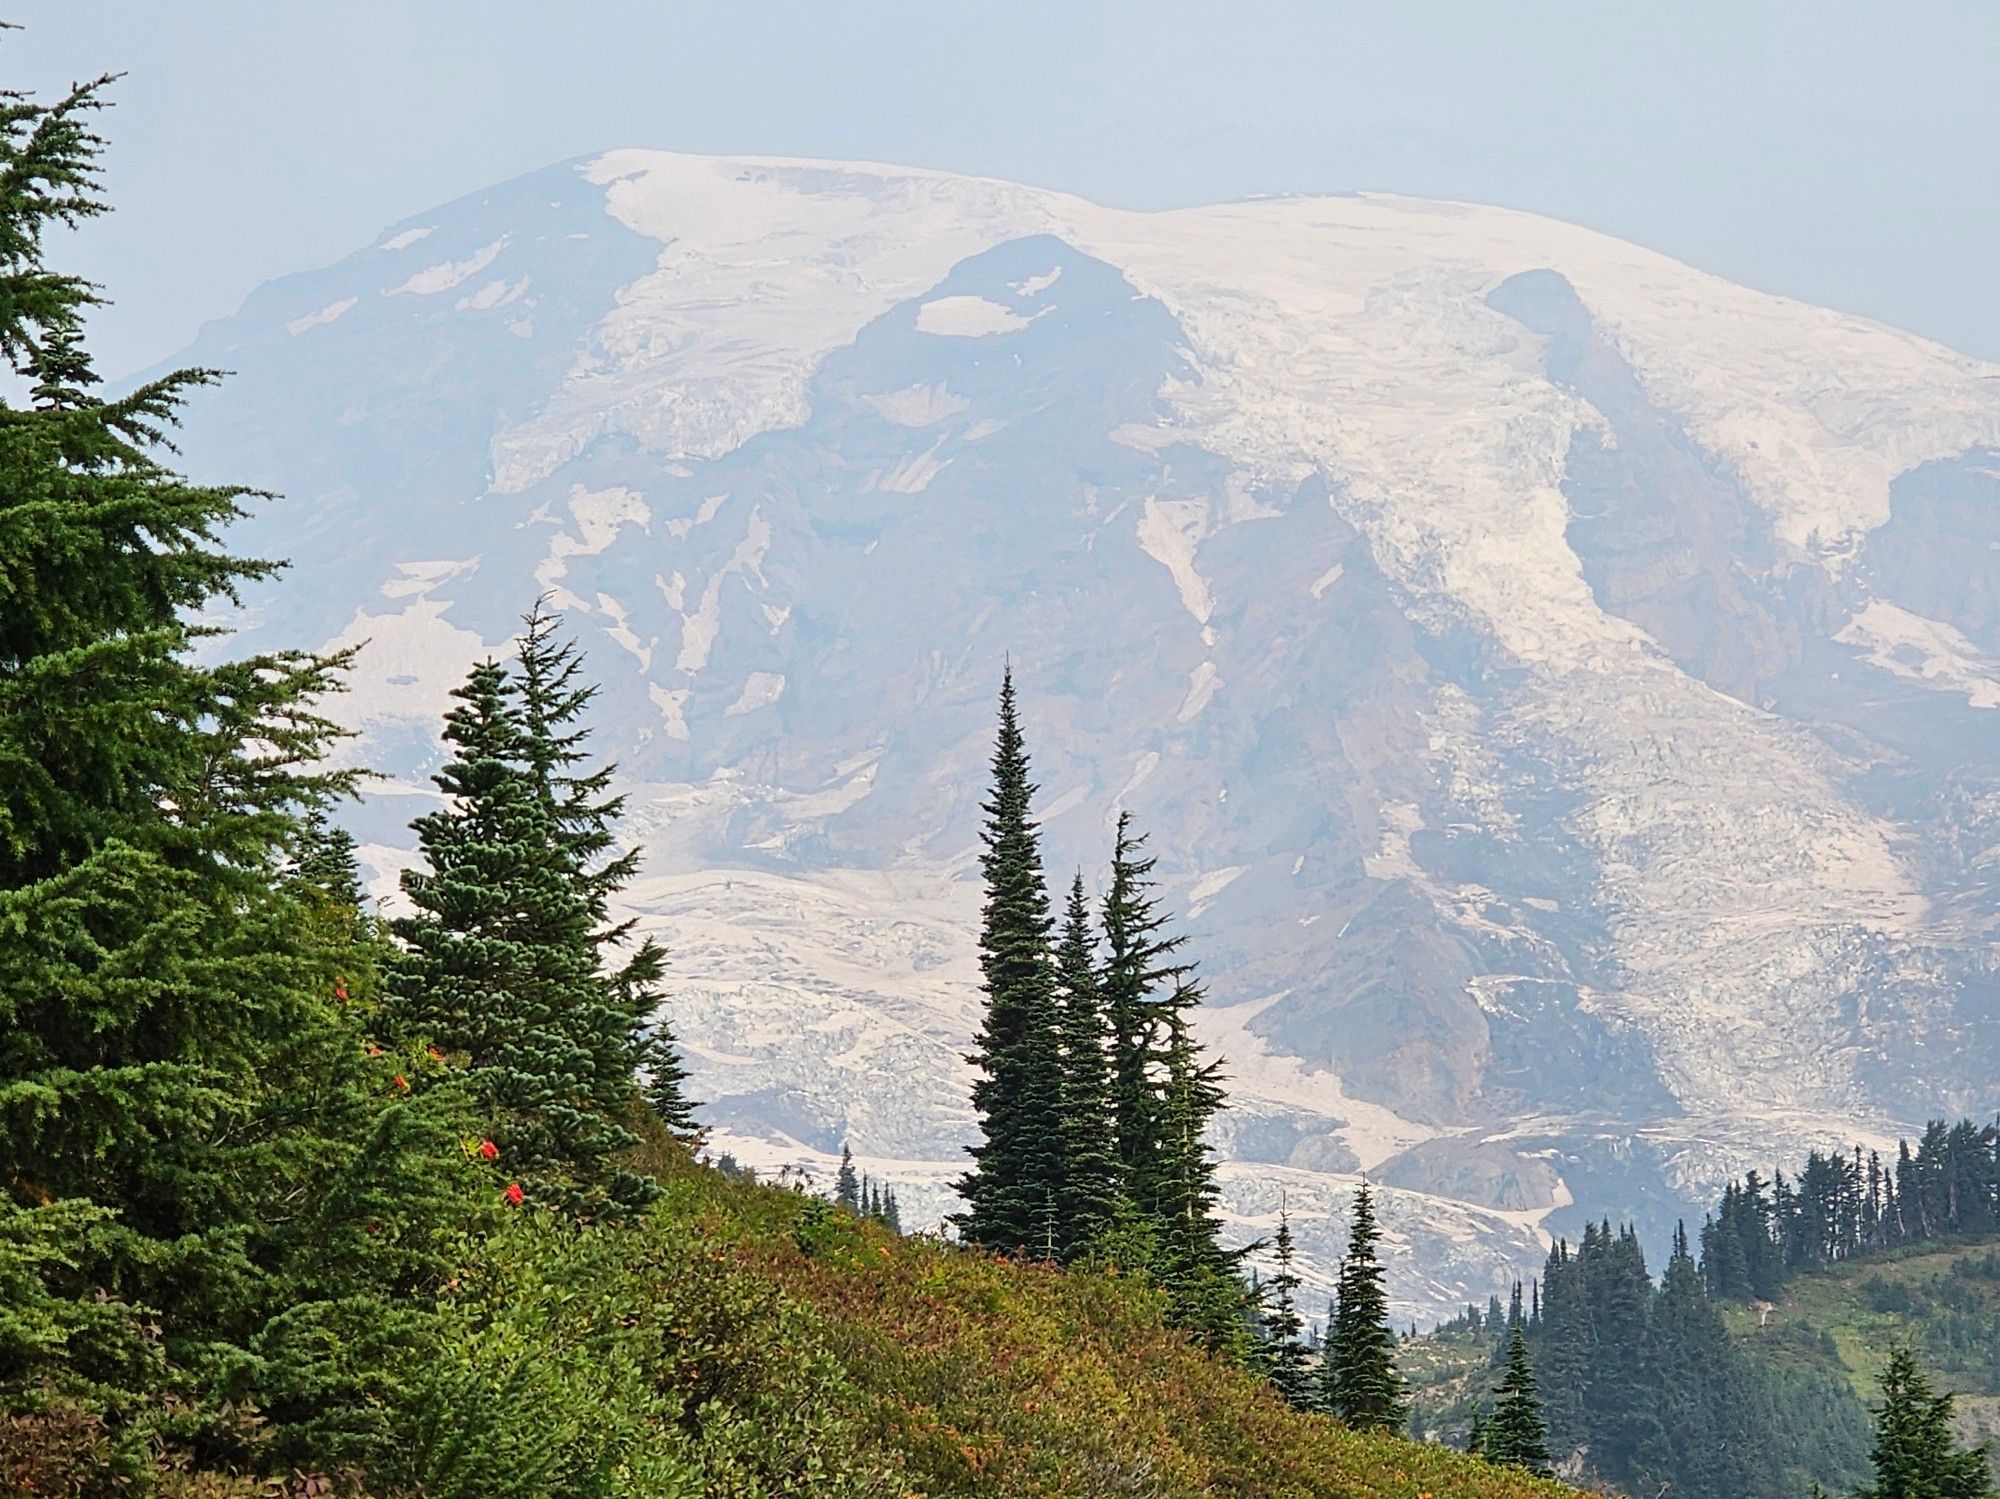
(1561,685)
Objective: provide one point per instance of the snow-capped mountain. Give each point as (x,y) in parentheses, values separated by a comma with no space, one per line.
(1561,686)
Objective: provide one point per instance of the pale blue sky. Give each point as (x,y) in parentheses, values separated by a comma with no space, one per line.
(1847,153)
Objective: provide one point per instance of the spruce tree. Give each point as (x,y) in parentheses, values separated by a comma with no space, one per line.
(500,964)
(214,1193)
(1915,1455)
(1284,1350)
(1516,1435)
(1014,1188)
(1359,1380)
(1091,1168)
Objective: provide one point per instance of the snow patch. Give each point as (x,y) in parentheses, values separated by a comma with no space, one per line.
(1034,286)
(1168,532)
(447,274)
(407,238)
(969,317)
(318,319)
(1202,682)
(760,690)
(1923,650)
(495,293)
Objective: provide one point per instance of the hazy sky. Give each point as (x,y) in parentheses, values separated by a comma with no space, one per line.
(1846,153)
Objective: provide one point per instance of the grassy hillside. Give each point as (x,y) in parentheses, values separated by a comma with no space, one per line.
(1830,1334)
(749,1340)
(1944,1303)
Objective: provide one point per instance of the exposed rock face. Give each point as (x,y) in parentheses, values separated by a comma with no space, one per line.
(1561,687)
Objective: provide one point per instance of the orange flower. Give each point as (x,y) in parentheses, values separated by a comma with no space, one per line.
(488,1151)
(400,1083)
(436,1055)
(340,988)
(513,1194)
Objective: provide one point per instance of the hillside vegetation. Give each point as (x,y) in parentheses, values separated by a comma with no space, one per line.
(748,1339)
(1941,1302)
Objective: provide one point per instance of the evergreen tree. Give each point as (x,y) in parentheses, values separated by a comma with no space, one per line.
(212,1191)
(1012,1192)
(1916,1456)
(500,964)
(1091,1167)
(324,860)
(1517,1435)
(1139,961)
(664,1083)
(1284,1349)
(846,1187)
(620,1026)
(1359,1380)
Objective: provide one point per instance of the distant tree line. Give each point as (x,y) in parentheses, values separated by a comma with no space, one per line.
(1842,1205)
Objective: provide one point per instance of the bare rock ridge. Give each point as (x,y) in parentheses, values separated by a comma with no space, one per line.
(1562,687)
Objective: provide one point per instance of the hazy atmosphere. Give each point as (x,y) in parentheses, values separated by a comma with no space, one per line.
(1850,165)
(1158,750)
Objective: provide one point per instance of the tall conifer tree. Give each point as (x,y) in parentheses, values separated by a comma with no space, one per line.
(1284,1352)
(1091,1168)
(1014,1189)
(621,1026)
(1138,961)
(500,968)
(1359,1380)
(1516,1435)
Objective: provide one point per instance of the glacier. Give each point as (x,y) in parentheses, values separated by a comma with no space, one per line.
(1560,685)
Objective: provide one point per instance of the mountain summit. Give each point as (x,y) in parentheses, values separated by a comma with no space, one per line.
(1563,688)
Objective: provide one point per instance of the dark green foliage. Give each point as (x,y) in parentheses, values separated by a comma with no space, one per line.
(500,968)
(1359,1381)
(663,1082)
(1841,1206)
(1516,1435)
(622,1028)
(1139,962)
(846,1185)
(1013,1192)
(1092,1171)
(1915,1454)
(1282,1351)
(208,1185)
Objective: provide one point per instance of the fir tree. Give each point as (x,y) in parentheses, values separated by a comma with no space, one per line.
(213,1192)
(1012,1192)
(1916,1456)
(1091,1167)
(1359,1380)
(663,1082)
(500,964)
(621,1026)
(1516,1435)
(1284,1350)
(1138,961)
(846,1186)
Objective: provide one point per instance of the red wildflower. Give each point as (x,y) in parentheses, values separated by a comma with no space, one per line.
(400,1083)
(488,1151)
(436,1055)
(513,1194)
(340,988)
